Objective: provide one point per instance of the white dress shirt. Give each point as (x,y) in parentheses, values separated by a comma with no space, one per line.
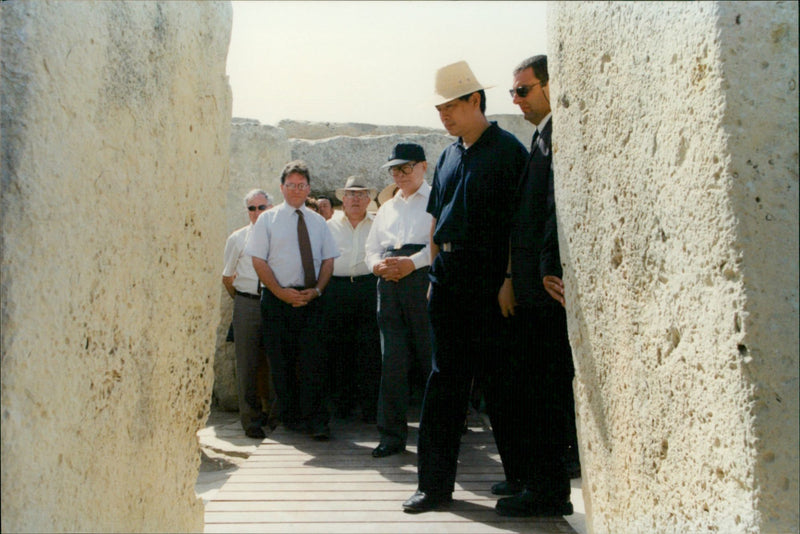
(239,264)
(543,123)
(274,239)
(351,243)
(401,221)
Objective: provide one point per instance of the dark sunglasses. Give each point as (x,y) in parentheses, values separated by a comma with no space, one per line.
(261,207)
(523,90)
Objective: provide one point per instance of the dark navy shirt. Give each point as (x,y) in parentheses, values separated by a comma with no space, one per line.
(471,197)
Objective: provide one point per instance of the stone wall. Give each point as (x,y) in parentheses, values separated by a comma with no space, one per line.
(115,132)
(676,162)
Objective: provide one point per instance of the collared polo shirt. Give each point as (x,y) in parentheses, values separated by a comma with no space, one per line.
(473,189)
(351,244)
(401,221)
(274,239)
(239,264)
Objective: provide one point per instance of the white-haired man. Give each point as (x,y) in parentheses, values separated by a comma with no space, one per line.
(241,282)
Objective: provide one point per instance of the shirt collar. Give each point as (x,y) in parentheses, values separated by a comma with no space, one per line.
(424,191)
(543,123)
(285,206)
(489,132)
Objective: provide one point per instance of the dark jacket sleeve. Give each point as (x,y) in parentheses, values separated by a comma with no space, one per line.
(550,260)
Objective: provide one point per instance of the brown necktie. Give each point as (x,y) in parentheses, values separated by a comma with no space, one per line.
(305,251)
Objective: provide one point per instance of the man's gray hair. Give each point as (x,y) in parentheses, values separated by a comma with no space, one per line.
(254,193)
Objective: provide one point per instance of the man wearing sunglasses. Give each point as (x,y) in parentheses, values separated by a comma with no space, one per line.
(397,251)
(252,365)
(542,432)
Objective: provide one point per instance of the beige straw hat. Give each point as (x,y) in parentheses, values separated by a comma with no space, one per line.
(454,81)
(387,193)
(354,183)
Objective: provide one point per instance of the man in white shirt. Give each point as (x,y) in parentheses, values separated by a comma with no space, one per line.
(241,282)
(293,252)
(351,329)
(398,252)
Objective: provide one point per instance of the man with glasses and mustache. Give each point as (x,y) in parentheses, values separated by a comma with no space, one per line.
(241,282)
(542,432)
(351,328)
(397,251)
(293,252)
(473,187)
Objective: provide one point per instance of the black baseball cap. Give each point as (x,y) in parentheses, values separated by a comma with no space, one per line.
(403,153)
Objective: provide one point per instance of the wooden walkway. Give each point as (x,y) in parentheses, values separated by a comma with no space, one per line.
(292,483)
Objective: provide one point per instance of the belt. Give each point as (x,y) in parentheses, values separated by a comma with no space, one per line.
(405,250)
(451,247)
(248,295)
(353,279)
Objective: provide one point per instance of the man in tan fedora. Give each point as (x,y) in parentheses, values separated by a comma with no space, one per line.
(473,184)
(351,321)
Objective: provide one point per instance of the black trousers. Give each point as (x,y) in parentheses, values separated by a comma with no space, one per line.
(353,343)
(298,359)
(405,339)
(466,346)
(534,437)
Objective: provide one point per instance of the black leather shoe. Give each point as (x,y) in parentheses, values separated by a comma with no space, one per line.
(382,451)
(321,433)
(255,432)
(425,502)
(527,504)
(507,487)
(296,426)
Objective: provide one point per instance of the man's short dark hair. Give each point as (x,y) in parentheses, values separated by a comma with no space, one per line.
(295,167)
(465,98)
(539,66)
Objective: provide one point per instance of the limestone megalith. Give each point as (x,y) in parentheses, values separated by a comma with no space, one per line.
(115,132)
(676,167)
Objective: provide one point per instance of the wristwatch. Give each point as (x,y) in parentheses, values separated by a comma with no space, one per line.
(319,293)
(508,276)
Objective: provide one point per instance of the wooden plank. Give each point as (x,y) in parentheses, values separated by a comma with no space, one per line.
(428,526)
(294,484)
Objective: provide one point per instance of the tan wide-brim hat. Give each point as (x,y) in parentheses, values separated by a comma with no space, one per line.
(387,193)
(454,81)
(353,183)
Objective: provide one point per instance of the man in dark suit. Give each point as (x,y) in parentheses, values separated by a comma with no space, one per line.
(534,443)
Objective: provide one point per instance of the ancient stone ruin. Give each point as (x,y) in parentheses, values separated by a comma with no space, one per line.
(115,132)
(676,162)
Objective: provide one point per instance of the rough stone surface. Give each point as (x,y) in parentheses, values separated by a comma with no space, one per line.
(677,191)
(115,121)
(323,130)
(332,160)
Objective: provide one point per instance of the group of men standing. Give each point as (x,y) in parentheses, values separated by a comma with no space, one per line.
(466,277)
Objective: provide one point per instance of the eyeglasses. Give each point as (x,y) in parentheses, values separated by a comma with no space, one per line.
(299,187)
(405,169)
(523,90)
(260,207)
(356,194)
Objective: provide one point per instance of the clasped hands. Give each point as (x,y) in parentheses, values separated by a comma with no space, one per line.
(297,297)
(394,268)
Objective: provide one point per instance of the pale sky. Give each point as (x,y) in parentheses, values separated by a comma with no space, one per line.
(373,62)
